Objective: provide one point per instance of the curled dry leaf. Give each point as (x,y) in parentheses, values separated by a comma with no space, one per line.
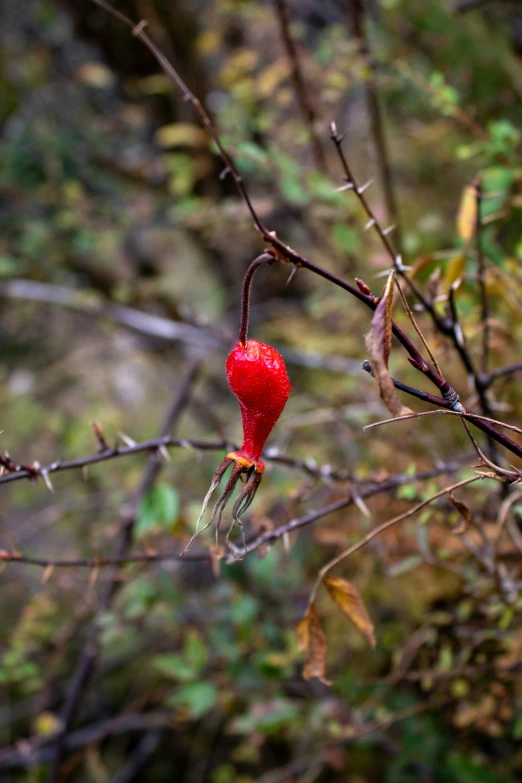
(347,598)
(312,641)
(378,344)
(465,513)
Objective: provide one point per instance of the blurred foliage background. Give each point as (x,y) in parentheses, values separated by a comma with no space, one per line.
(112,206)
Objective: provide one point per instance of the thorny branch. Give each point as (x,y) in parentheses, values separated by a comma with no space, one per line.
(371,489)
(285,253)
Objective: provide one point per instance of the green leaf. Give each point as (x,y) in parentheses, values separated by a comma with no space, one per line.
(345,237)
(159,509)
(195,651)
(197,697)
(175,667)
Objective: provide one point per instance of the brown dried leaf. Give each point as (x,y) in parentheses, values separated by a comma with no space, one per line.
(465,513)
(347,598)
(312,641)
(378,344)
(467,214)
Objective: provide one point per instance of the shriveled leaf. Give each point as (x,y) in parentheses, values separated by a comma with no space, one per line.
(378,344)
(312,641)
(464,512)
(347,598)
(467,214)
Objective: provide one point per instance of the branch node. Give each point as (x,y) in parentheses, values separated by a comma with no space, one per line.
(140,27)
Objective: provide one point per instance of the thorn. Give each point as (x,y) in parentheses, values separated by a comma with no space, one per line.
(290,276)
(361,190)
(224,173)
(398,263)
(361,505)
(47,573)
(348,186)
(47,481)
(388,230)
(187,445)
(286,541)
(99,435)
(370,223)
(126,439)
(93,577)
(164,453)
(85,472)
(333,129)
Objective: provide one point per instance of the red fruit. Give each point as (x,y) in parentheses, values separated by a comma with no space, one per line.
(257,375)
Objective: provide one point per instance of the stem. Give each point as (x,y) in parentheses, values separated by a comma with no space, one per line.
(265,258)
(374,110)
(481,278)
(303,96)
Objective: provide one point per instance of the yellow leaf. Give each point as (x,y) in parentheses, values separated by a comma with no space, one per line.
(272,76)
(181,134)
(378,345)
(47,723)
(467,214)
(455,269)
(312,641)
(347,598)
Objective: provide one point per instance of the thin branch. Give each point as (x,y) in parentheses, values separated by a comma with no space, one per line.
(303,96)
(153,445)
(268,537)
(374,109)
(99,561)
(502,372)
(373,488)
(482,277)
(473,417)
(385,525)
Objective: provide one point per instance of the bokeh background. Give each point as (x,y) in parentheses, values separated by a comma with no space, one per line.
(112,207)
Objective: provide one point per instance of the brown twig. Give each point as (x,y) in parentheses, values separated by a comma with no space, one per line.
(261,260)
(303,96)
(269,536)
(482,278)
(358,8)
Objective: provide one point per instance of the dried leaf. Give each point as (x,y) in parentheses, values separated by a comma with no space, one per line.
(378,345)
(454,270)
(467,214)
(311,639)
(347,598)
(465,513)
